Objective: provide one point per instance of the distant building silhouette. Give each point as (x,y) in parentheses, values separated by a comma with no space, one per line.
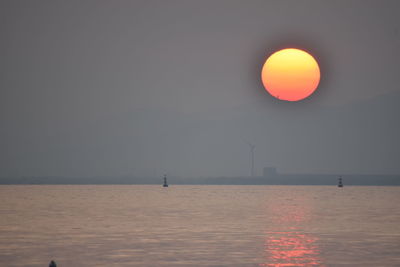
(269,171)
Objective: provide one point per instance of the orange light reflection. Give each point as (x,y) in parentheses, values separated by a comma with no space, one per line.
(291,249)
(286,242)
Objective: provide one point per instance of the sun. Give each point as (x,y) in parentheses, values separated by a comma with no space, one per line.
(290,74)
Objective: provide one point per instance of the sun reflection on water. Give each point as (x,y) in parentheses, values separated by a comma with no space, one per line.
(291,249)
(286,242)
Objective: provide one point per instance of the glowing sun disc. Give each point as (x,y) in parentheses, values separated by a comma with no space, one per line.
(290,74)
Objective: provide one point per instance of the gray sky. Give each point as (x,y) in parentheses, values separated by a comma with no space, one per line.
(147,87)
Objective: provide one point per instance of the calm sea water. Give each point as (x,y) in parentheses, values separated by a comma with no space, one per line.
(130,225)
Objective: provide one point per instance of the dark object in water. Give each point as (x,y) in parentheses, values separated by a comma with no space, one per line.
(52,264)
(165,181)
(340,183)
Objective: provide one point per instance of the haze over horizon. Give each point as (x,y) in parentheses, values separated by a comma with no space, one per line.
(101,88)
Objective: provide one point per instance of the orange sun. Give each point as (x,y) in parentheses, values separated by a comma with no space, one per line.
(290,74)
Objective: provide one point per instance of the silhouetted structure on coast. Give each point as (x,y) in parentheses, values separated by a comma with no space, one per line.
(269,171)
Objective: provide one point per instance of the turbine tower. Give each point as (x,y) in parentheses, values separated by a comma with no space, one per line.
(252,147)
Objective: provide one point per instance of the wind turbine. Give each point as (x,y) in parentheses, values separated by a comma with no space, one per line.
(252,147)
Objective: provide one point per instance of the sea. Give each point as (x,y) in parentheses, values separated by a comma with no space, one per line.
(190,225)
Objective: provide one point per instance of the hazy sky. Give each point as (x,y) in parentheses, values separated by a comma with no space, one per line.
(147,87)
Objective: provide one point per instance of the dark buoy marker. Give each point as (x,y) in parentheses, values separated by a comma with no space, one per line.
(340,182)
(165,181)
(52,264)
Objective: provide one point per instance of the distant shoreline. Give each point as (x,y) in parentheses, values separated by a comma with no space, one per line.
(278,179)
